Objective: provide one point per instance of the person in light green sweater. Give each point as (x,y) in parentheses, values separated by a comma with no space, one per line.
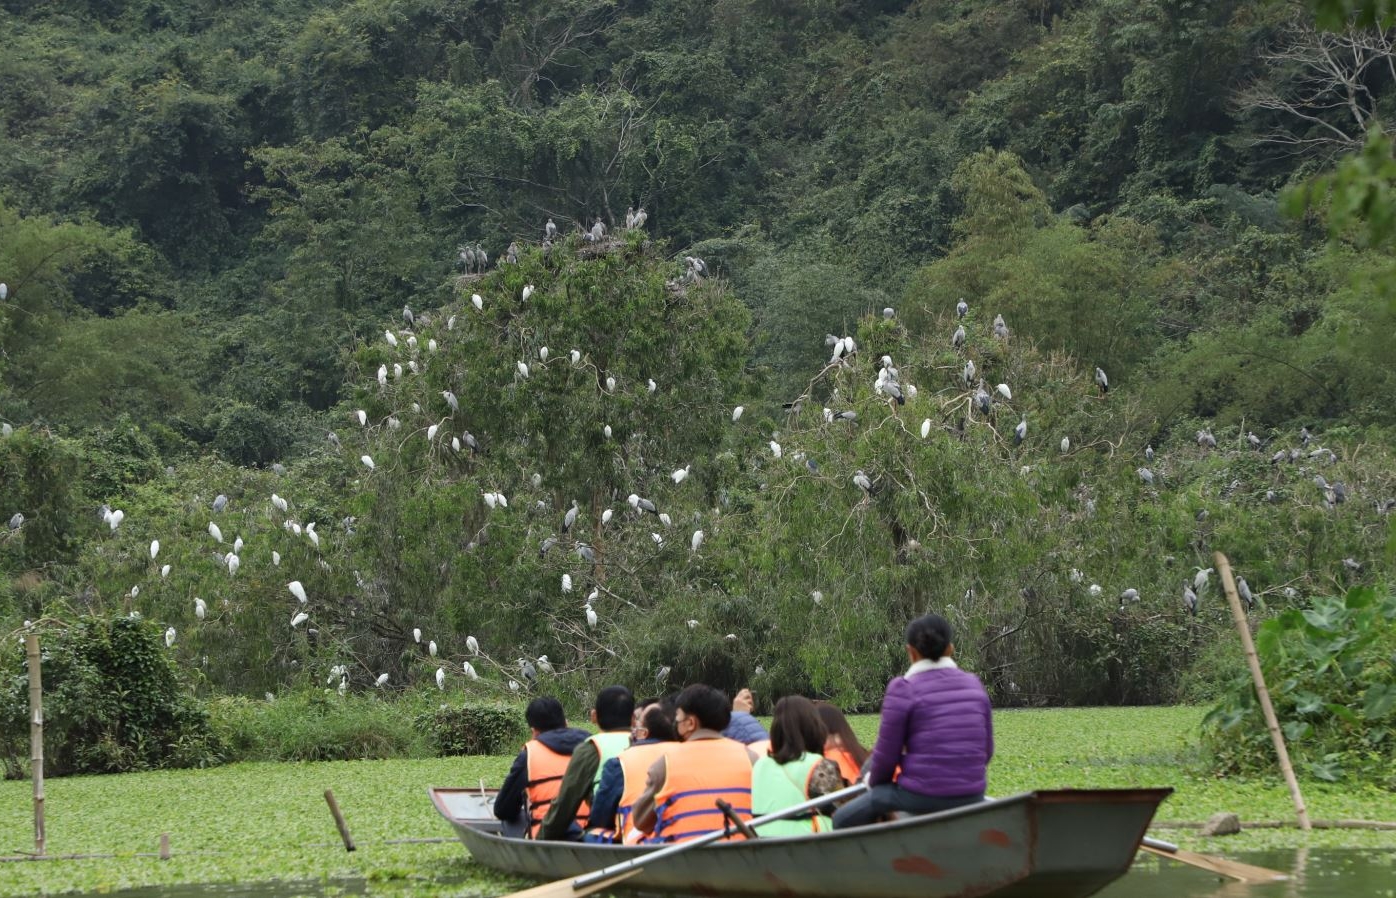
(795,770)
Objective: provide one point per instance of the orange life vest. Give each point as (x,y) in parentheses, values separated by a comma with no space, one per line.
(635,763)
(848,768)
(545,771)
(697,774)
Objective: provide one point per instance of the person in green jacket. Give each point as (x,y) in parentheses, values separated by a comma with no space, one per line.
(611,715)
(795,770)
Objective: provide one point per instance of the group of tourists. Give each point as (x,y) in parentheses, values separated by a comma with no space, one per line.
(680,767)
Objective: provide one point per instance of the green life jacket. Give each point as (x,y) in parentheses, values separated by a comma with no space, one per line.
(775,787)
(608,745)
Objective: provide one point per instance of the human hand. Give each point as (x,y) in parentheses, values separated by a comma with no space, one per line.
(743,701)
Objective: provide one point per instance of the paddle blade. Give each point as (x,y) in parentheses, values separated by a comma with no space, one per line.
(562,888)
(1221,866)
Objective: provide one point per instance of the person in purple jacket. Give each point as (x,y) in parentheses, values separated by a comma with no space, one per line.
(936,726)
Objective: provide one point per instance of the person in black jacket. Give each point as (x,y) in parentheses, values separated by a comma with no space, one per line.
(548,723)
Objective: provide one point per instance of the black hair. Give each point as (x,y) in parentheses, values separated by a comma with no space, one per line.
(929,635)
(615,705)
(796,729)
(659,723)
(545,713)
(710,706)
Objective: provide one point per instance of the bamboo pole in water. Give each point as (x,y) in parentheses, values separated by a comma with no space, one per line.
(36,737)
(1271,722)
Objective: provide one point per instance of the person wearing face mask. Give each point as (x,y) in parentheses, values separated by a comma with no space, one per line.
(683,786)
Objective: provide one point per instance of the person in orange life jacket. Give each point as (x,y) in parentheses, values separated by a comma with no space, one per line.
(623,777)
(936,725)
(611,714)
(537,771)
(682,787)
(842,745)
(795,770)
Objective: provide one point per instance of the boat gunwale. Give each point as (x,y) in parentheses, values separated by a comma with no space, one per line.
(1037,796)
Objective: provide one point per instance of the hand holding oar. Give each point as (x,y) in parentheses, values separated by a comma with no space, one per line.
(575,887)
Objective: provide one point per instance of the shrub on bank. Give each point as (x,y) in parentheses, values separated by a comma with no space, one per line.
(113,702)
(1331,673)
(325,726)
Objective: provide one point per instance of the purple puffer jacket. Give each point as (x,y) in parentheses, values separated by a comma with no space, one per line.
(937,726)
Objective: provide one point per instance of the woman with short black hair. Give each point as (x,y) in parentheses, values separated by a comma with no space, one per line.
(936,735)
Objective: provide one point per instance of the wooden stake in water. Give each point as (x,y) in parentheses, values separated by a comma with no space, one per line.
(36,737)
(1271,721)
(339,820)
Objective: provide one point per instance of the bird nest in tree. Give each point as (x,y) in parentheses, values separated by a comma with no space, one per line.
(465,280)
(596,249)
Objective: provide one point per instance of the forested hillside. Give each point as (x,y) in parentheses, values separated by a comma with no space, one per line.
(238,246)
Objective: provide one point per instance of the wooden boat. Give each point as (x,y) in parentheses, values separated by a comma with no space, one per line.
(1048,844)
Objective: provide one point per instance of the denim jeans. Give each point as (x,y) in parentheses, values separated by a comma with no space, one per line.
(888,798)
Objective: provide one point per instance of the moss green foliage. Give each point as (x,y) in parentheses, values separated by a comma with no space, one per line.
(247,823)
(1331,670)
(113,702)
(475,728)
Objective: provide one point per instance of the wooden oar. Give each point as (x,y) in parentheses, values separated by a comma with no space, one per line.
(1246,873)
(575,887)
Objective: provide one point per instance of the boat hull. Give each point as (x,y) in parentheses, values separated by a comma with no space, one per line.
(1062,844)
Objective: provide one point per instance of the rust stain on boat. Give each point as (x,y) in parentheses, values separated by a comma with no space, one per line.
(996,837)
(915,864)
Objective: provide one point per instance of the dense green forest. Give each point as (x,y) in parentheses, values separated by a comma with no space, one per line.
(237,241)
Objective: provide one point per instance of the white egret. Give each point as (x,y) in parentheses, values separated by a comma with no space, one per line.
(665,519)
(469,670)
(542,353)
(390,337)
(213,531)
(1066,445)
(154,548)
(381,681)
(775,448)
(472,645)
(523,369)
(299,618)
(1095,589)
(164,571)
(697,541)
(591,616)
(237,546)
(276,558)
(606,516)
(200,608)
(681,474)
(279,503)
(397,371)
(527,292)
(566,582)
(440,678)
(170,637)
(431,647)
(576,357)
(135,591)
(362,416)
(431,432)
(610,384)
(513,685)
(1004,391)
(691,623)
(431,346)
(455,444)
(298,591)
(817,596)
(606,431)
(658,540)
(737,414)
(477,301)
(233,563)
(451,400)
(368,462)
(311,535)
(417,634)
(544,664)
(115,518)
(382,375)
(925,428)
